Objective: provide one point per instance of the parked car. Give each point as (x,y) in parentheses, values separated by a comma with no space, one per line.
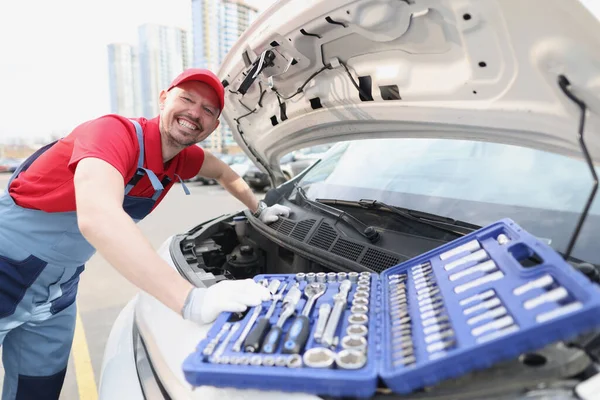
(291,165)
(447,116)
(10,164)
(236,160)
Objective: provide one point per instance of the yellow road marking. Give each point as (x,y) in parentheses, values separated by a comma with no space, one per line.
(84,373)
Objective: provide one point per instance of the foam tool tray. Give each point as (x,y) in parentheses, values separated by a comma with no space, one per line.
(485,297)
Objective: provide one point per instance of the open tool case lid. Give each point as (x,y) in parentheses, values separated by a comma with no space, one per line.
(528,323)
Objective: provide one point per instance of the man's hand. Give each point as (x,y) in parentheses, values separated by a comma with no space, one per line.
(203,306)
(272,214)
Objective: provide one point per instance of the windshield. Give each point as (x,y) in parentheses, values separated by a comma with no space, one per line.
(471,181)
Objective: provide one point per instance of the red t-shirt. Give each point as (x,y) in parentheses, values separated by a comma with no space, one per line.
(48,183)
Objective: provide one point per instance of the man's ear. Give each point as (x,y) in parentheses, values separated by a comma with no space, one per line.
(162,97)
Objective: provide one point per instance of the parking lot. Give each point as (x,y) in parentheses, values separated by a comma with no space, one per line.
(103,292)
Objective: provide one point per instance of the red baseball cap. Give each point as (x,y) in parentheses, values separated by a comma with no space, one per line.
(201,75)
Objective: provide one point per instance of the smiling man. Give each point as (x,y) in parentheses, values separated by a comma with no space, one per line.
(86,192)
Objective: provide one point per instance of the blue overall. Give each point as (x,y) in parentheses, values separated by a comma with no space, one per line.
(41,257)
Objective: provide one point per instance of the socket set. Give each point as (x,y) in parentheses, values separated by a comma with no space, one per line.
(480,299)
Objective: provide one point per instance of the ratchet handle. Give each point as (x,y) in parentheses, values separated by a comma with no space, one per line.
(297,335)
(272,340)
(256,335)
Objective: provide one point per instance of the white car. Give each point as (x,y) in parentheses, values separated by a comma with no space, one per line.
(457,113)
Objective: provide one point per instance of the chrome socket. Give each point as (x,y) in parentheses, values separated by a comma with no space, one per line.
(360,319)
(341,276)
(365,274)
(300,276)
(351,359)
(256,360)
(268,361)
(360,301)
(331,277)
(363,288)
(244,360)
(310,277)
(353,276)
(357,330)
(318,357)
(359,309)
(363,294)
(321,277)
(354,343)
(294,361)
(280,361)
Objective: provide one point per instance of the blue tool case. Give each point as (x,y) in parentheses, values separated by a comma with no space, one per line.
(486,297)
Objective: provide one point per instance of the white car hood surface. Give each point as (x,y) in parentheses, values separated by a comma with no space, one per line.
(468,69)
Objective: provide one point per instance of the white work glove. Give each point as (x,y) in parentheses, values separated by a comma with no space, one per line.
(271,214)
(203,305)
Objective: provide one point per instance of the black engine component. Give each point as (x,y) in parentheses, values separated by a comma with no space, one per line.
(210,256)
(243,262)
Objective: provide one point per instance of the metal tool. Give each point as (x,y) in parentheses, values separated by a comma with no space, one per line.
(210,347)
(357,330)
(300,329)
(363,294)
(540,283)
(487,266)
(221,349)
(324,311)
(469,246)
(300,276)
(256,336)
(352,276)
(224,360)
(502,239)
(268,361)
(420,267)
(486,305)
(405,361)
(280,361)
(294,361)
(321,277)
(479,255)
(438,346)
(557,294)
(340,300)
(491,314)
(358,319)
(310,277)
(478,282)
(290,301)
(264,282)
(477,297)
(569,308)
(274,285)
(497,334)
(318,357)
(256,360)
(435,337)
(435,320)
(360,301)
(341,276)
(351,359)
(354,342)
(365,274)
(331,277)
(244,360)
(436,328)
(238,343)
(496,324)
(359,309)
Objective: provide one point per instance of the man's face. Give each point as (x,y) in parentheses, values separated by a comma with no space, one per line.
(189,113)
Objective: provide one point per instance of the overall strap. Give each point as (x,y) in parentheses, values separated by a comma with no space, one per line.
(27,163)
(156,184)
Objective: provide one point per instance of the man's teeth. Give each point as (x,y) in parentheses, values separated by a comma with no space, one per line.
(185,124)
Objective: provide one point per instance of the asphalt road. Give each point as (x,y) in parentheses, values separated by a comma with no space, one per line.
(103,292)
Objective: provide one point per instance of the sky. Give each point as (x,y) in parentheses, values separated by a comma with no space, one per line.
(53,57)
(54,62)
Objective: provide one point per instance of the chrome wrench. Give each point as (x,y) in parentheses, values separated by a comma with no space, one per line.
(210,347)
(221,349)
(238,344)
(340,300)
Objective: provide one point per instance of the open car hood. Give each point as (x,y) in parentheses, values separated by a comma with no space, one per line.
(467,69)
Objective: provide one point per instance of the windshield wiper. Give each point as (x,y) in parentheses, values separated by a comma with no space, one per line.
(363,229)
(446,224)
